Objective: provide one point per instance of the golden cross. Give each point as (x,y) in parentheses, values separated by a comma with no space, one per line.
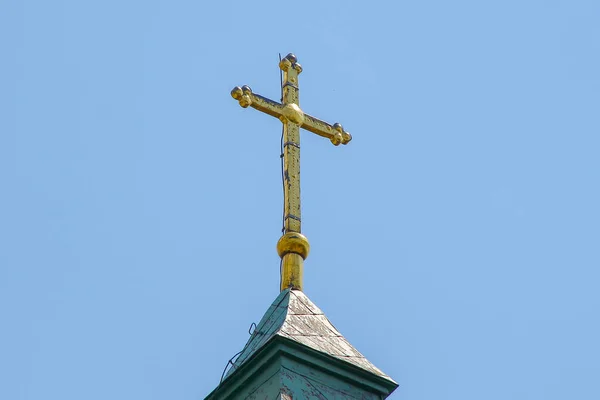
(293,247)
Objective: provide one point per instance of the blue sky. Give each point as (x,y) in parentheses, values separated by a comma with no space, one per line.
(454,241)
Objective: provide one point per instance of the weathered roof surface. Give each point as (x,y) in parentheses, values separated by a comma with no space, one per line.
(292,315)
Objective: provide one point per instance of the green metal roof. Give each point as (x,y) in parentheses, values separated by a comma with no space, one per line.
(293,316)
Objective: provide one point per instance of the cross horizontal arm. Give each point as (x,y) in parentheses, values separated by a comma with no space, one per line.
(335,132)
(246,98)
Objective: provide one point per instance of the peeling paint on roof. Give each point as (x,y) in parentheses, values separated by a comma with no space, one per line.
(292,315)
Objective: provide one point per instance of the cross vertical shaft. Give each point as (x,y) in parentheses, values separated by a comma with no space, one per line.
(291,149)
(292,247)
(292,264)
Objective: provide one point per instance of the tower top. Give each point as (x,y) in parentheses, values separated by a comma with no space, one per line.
(295,352)
(293,246)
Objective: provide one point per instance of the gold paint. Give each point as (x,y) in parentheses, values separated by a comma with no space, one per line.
(291,174)
(293,242)
(292,247)
(292,271)
(243,95)
(293,113)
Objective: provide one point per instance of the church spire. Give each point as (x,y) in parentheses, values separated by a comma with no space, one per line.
(293,246)
(295,352)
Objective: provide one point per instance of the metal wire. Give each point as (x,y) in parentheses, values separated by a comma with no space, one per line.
(254,332)
(231,360)
(282,172)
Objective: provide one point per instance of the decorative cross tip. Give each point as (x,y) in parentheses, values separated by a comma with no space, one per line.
(243,95)
(340,136)
(290,61)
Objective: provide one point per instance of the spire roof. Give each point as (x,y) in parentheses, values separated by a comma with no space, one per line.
(294,316)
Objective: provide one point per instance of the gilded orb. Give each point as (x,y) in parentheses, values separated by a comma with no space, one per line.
(293,242)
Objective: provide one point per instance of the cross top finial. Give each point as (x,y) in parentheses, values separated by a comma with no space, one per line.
(290,61)
(292,247)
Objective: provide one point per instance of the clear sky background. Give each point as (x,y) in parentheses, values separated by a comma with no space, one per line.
(455,241)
